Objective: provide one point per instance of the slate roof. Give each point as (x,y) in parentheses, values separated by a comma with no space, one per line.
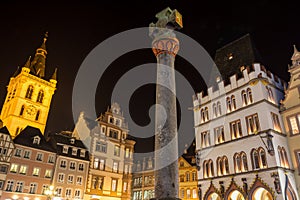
(59,140)
(243,52)
(4,130)
(189,156)
(26,136)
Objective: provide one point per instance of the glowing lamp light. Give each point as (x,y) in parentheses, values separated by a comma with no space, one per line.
(26,198)
(15,197)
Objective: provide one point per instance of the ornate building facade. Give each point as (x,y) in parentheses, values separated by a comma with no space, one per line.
(111,153)
(290,111)
(242,150)
(29,95)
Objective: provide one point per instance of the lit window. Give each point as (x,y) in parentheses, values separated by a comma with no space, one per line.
(182,193)
(187,176)
(125,187)
(74,151)
(250,98)
(219,135)
(205,139)
(82,153)
(68,192)
(188,193)
(23,169)
(235,129)
(114,184)
(294,124)
(194,193)
(233,103)
(283,157)
(228,104)
(65,149)
(9,185)
(127,152)
(36,171)
(58,191)
(19,186)
(117,150)
(270,94)
(48,173)
(14,168)
(115,166)
(36,140)
(219,108)
(276,122)
(259,159)
(252,124)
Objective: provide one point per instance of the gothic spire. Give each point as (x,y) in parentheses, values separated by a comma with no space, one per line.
(39,60)
(27,64)
(296,57)
(54,75)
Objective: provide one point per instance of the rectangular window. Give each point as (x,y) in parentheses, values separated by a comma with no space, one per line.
(23,169)
(113,134)
(127,152)
(101,147)
(61,177)
(182,193)
(58,191)
(72,165)
(126,169)
(9,185)
(39,157)
(68,192)
(181,178)
(276,122)
(101,164)
(115,166)
(80,166)
(117,150)
(63,163)
(235,129)
(79,180)
(74,151)
(14,168)
(36,171)
(48,173)
(252,124)
(70,178)
(187,176)
(51,159)
(294,122)
(194,176)
(77,193)
(19,186)
(114,185)
(188,193)
(3,169)
(18,152)
(219,135)
(65,149)
(205,139)
(1,184)
(32,188)
(194,193)
(27,154)
(125,187)
(82,153)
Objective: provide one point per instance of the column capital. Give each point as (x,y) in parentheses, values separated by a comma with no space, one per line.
(165,45)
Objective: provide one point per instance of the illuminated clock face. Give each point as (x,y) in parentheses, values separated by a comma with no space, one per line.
(31,110)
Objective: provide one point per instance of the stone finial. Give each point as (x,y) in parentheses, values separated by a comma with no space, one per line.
(296,57)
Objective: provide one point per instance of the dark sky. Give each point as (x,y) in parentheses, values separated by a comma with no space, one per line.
(76,27)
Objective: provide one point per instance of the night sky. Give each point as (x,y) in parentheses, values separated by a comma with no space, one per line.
(76,27)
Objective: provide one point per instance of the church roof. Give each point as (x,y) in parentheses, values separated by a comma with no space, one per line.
(27,135)
(231,57)
(4,130)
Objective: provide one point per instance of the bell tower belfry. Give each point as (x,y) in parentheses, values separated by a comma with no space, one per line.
(29,95)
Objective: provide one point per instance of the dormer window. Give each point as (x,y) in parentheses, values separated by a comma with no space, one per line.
(74,151)
(111,120)
(82,153)
(36,140)
(65,149)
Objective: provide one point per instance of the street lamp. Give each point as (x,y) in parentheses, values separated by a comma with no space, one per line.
(49,192)
(268,143)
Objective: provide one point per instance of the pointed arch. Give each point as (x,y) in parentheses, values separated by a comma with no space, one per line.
(29,92)
(237,163)
(228,104)
(236,190)
(225,165)
(40,96)
(249,94)
(233,102)
(37,116)
(260,187)
(244,161)
(215,111)
(219,108)
(244,98)
(212,191)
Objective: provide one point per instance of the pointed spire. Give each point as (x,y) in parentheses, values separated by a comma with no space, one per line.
(43,46)
(295,49)
(17,71)
(27,64)
(54,75)
(296,54)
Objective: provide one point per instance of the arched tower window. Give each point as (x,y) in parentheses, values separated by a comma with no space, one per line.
(215,110)
(220,166)
(29,92)
(263,158)
(37,115)
(250,98)
(206,114)
(237,163)
(219,108)
(233,102)
(40,97)
(226,165)
(244,98)
(244,162)
(228,103)
(202,116)
(255,159)
(211,168)
(22,110)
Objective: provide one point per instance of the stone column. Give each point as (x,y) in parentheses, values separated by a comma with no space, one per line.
(165,46)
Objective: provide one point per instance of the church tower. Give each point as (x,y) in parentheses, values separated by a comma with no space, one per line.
(29,95)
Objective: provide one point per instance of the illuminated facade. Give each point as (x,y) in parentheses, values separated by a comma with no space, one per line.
(242,150)
(71,167)
(111,153)
(29,95)
(143,177)
(6,150)
(290,110)
(31,167)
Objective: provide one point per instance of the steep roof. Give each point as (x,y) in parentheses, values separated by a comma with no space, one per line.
(190,153)
(231,57)
(4,130)
(27,135)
